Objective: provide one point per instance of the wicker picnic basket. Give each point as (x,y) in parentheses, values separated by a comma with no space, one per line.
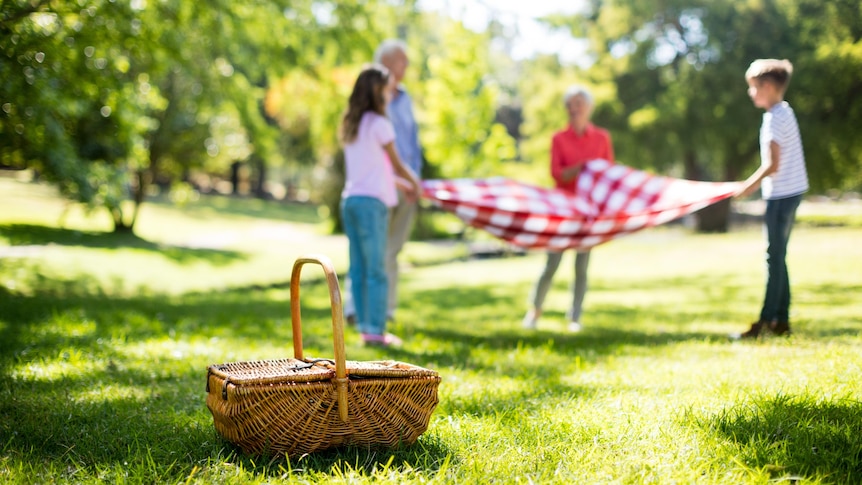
(302,405)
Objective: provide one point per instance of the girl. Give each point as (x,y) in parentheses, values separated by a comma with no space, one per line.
(369,192)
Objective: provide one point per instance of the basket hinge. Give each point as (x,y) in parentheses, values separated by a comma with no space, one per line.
(224,388)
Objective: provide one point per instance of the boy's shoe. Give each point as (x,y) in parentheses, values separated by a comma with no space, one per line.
(530,321)
(780,328)
(575,327)
(386,340)
(750,334)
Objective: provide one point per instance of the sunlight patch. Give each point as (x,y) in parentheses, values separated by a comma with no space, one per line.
(68,363)
(168,349)
(113,392)
(71,323)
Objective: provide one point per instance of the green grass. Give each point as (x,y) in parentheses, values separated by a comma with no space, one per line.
(105,340)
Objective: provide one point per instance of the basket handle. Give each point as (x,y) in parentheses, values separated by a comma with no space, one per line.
(337,323)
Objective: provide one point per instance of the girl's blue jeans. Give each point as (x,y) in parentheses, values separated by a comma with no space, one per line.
(366,224)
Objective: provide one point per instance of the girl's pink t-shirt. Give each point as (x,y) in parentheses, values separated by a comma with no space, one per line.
(369,171)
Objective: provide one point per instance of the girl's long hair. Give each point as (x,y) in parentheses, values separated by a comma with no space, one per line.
(367,95)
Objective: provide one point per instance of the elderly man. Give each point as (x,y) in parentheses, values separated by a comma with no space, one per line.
(392,54)
(571,148)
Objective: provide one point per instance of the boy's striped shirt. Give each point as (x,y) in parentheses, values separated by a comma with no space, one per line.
(779,125)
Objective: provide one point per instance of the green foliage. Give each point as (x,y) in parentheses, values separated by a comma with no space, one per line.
(95,88)
(458,106)
(132,94)
(826,86)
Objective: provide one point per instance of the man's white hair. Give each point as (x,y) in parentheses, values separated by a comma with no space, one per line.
(577,90)
(389,47)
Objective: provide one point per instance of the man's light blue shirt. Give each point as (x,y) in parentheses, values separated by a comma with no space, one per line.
(406,130)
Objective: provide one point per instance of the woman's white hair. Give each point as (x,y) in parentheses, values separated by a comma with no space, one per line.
(577,90)
(389,47)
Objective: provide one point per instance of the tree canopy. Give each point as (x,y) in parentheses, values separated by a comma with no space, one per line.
(109,100)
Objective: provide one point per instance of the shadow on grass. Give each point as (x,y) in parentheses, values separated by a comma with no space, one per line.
(481,317)
(97,428)
(284,211)
(830,294)
(31,234)
(428,454)
(155,409)
(117,411)
(793,436)
(166,424)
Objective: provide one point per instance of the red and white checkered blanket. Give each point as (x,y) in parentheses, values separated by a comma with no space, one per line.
(611,200)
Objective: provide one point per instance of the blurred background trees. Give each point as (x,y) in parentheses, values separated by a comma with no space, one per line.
(117,101)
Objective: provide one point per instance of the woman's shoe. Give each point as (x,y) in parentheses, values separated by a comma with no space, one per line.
(530,321)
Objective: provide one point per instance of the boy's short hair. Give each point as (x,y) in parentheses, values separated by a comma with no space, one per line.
(777,71)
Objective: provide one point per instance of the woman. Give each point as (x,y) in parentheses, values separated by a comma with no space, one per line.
(571,148)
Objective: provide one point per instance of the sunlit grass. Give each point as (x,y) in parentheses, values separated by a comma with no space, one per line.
(215,243)
(104,346)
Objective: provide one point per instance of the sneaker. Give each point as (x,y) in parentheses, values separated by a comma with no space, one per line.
(386,340)
(752,333)
(780,328)
(530,321)
(575,327)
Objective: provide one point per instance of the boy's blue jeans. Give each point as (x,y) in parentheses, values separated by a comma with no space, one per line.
(778,221)
(366,224)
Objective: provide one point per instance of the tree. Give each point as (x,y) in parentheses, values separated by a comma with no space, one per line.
(106,98)
(60,95)
(458,106)
(826,89)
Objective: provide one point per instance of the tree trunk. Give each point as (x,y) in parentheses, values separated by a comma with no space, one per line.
(234,177)
(123,228)
(692,167)
(138,190)
(714,218)
(138,199)
(259,186)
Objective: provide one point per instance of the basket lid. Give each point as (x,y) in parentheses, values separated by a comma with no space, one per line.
(274,371)
(386,368)
(312,370)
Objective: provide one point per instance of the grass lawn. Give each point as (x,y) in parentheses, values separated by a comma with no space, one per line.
(105,340)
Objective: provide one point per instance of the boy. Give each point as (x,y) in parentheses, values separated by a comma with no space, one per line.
(782,179)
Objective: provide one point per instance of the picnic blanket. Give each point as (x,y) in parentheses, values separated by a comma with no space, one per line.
(611,200)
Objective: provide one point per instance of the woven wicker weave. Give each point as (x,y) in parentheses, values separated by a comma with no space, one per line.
(302,405)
